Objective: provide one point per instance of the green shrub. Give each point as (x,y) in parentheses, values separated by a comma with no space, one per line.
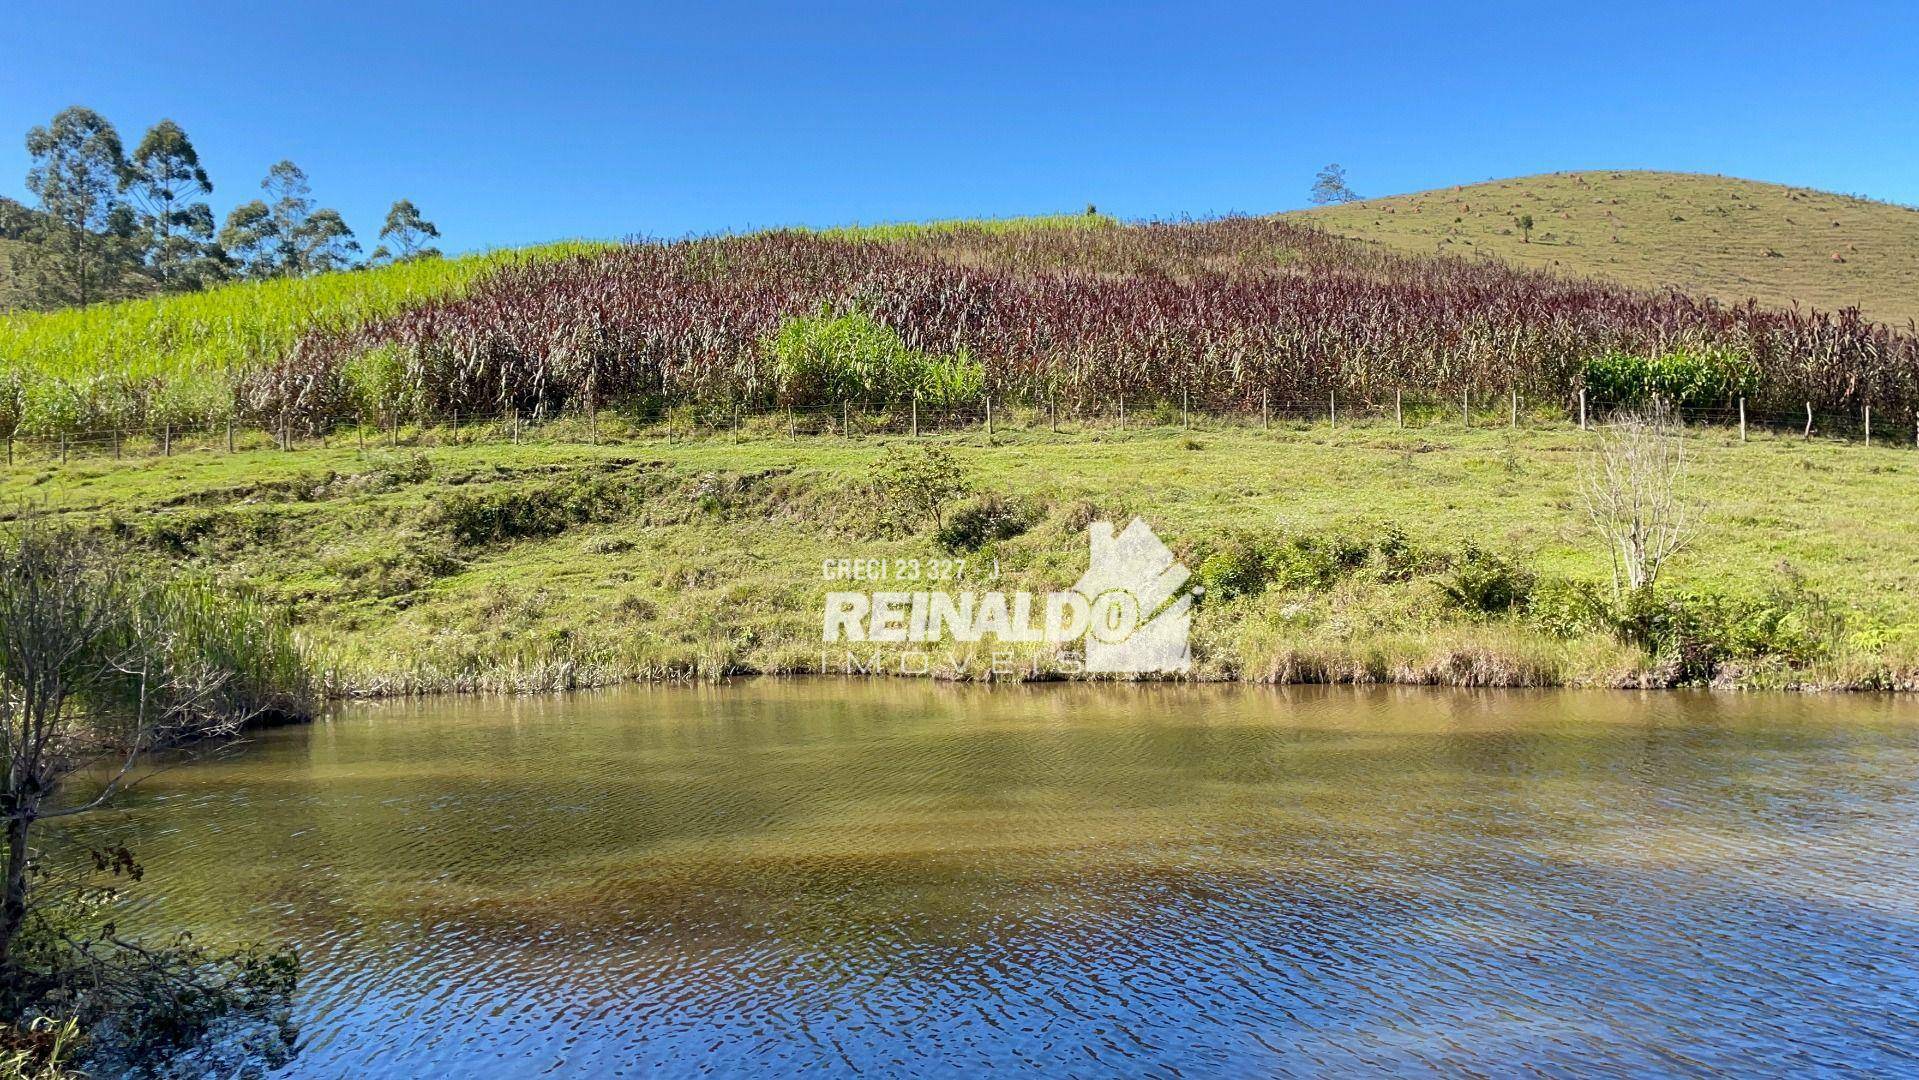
(1690,377)
(1790,624)
(915,483)
(826,358)
(1568,609)
(1315,562)
(983,521)
(493,516)
(1236,570)
(1482,582)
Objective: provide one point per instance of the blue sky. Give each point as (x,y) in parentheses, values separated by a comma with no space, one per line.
(516,124)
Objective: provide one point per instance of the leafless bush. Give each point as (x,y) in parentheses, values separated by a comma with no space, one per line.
(1631,486)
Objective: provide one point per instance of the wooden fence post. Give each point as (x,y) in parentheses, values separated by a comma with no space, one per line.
(1515,408)
(9,449)
(792,432)
(1185,408)
(846,419)
(116,444)
(1265,408)
(1808,419)
(989,419)
(1332,408)
(916,414)
(1582,408)
(360,430)
(1742,419)
(229,434)
(63,448)
(1466,408)
(166,441)
(1399,410)
(1868,425)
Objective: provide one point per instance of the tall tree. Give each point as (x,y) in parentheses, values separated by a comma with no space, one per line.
(323,242)
(251,239)
(1330,187)
(284,235)
(163,175)
(408,232)
(86,231)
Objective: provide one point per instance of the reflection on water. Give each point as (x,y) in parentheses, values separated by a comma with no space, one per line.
(904,877)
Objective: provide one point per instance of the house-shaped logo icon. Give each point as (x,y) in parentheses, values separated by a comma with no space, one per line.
(1140,619)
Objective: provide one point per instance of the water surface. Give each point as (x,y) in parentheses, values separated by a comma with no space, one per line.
(900,877)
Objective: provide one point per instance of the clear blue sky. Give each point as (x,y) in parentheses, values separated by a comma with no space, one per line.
(516,124)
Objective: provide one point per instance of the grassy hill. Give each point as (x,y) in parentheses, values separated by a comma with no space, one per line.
(1724,237)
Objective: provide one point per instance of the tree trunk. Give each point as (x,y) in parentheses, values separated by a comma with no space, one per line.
(13,897)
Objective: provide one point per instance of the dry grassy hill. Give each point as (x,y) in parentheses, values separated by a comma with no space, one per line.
(1728,238)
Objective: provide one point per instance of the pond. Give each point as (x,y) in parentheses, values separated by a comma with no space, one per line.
(905,877)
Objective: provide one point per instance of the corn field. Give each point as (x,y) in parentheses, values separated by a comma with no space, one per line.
(1222,314)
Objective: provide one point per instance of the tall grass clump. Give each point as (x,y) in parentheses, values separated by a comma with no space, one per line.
(824,358)
(1688,377)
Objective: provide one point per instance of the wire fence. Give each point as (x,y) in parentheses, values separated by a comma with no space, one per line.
(911,417)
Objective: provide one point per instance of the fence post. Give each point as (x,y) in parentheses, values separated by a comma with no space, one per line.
(1265,408)
(360,430)
(1052,411)
(1742,419)
(792,432)
(1332,408)
(1122,412)
(229,434)
(116,444)
(393,432)
(166,441)
(1868,425)
(1466,408)
(516,425)
(846,419)
(989,419)
(63,448)
(1399,410)
(1185,408)
(1808,419)
(916,414)
(9,449)
(1515,408)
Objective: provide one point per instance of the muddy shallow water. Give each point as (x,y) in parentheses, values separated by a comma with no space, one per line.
(900,877)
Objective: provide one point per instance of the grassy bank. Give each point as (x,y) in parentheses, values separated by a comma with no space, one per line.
(1376,554)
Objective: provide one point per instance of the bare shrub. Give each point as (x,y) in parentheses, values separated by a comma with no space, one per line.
(1631,486)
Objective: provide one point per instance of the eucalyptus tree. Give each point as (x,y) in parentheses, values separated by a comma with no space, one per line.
(283,235)
(86,231)
(163,175)
(408,232)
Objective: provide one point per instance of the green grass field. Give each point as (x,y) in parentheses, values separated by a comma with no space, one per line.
(703,557)
(1723,237)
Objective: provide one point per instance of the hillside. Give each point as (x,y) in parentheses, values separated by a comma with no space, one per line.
(1723,237)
